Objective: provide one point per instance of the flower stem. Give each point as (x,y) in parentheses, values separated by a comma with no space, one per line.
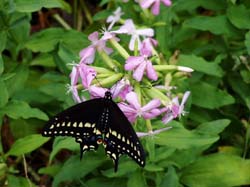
(108,60)
(149,126)
(119,48)
(61,21)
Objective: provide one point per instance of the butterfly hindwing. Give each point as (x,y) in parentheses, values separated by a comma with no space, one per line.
(78,121)
(121,138)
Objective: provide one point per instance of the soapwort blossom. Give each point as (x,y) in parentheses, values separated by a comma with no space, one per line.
(133,109)
(112,19)
(155,5)
(88,54)
(175,109)
(130,29)
(140,64)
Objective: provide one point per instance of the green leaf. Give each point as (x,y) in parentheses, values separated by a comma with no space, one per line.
(201,65)
(193,4)
(180,138)
(45,40)
(50,170)
(45,60)
(3,39)
(48,39)
(17,82)
(170,179)
(27,144)
(4,95)
(20,109)
(240,87)
(63,143)
(35,5)
(245,74)
(239,16)
(137,179)
(75,169)
(14,181)
(217,170)
(247,42)
(215,97)
(213,127)
(1,64)
(218,25)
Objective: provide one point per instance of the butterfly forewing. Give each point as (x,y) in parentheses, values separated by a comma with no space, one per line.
(78,121)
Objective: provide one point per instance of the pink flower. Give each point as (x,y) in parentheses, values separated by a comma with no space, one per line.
(175,109)
(140,64)
(97,92)
(74,76)
(86,74)
(112,19)
(121,89)
(88,54)
(155,5)
(129,28)
(134,109)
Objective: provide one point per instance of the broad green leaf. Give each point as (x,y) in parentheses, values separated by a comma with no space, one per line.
(240,88)
(193,4)
(45,60)
(217,170)
(14,181)
(96,181)
(213,127)
(137,179)
(17,82)
(75,169)
(125,168)
(180,138)
(50,170)
(1,64)
(63,143)
(35,5)
(19,109)
(170,179)
(218,25)
(3,39)
(27,144)
(239,16)
(247,42)
(4,95)
(208,96)
(245,74)
(48,39)
(45,40)
(201,65)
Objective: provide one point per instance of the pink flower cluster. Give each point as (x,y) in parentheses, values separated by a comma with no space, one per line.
(83,74)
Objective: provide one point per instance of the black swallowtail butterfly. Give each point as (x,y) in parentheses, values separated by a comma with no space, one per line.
(98,121)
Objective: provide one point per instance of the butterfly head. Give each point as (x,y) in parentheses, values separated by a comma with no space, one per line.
(108,95)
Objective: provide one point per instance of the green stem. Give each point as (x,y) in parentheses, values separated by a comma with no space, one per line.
(87,12)
(108,60)
(61,21)
(119,48)
(149,125)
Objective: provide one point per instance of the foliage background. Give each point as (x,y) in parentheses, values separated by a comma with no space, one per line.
(207,148)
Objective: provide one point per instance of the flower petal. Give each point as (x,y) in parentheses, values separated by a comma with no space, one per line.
(151,73)
(97,92)
(146,3)
(139,71)
(132,62)
(132,99)
(167,2)
(156,8)
(151,105)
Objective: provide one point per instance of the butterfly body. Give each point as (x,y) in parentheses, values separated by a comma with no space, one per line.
(95,122)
